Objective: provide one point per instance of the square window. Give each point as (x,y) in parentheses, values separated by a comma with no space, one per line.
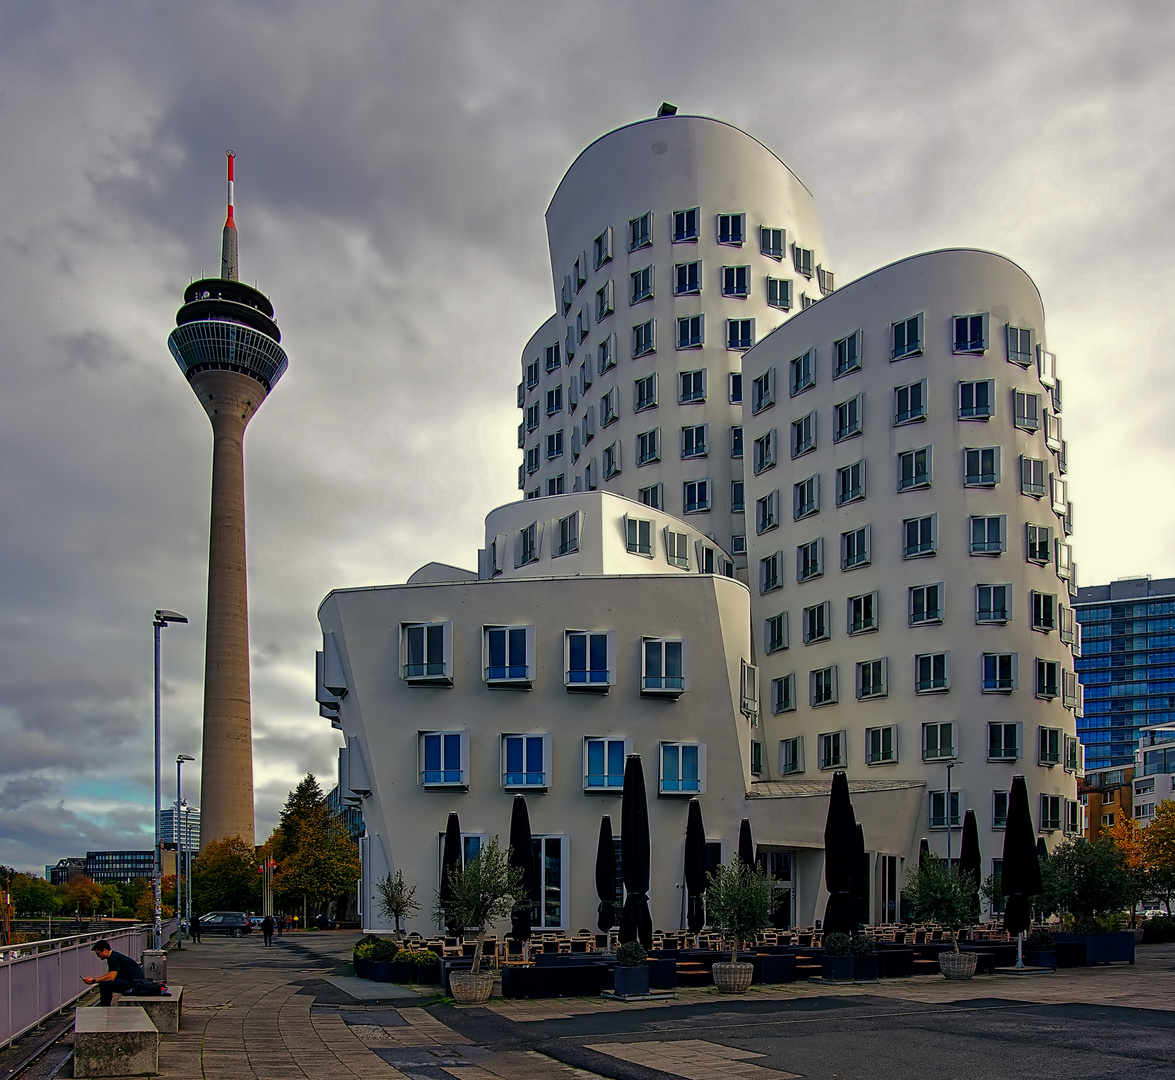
(825,280)
(611,460)
(696,496)
(770,573)
(644,339)
(680,769)
(1027,410)
(532,460)
(871,679)
(862,613)
(981,466)
(639,535)
(646,392)
(1044,612)
(555,484)
(854,548)
(1052,432)
(524,761)
(609,408)
(988,535)
(736,442)
(1059,501)
(642,285)
(937,803)
(881,745)
(640,231)
(767,512)
(443,759)
(1050,813)
(938,741)
(552,357)
(1064,560)
(775,633)
(554,400)
(1032,477)
(603,764)
(764,456)
(687,278)
(914,469)
(850,483)
(736,281)
(1048,678)
(771,242)
(555,445)
(999,809)
(783,694)
(738,544)
(803,372)
(740,333)
(993,603)
(817,623)
(1040,544)
(426,652)
(970,333)
(802,260)
(822,687)
(806,497)
(925,604)
(648,447)
(803,435)
(919,536)
(999,673)
(693,440)
(977,400)
(692,386)
(731,228)
(606,354)
(832,749)
(763,391)
(589,662)
(810,560)
(846,355)
(664,667)
(906,337)
(931,673)
(685,226)
(602,248)
(690,332)
(738,500)
(910,403)
(847,418)
(1050,746)
(677,549)
(532,416)
(735,388)
(652,496)
(779,293)
(791,754)
(1019,346)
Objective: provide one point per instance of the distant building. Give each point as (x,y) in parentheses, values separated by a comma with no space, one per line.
(1106,797)
(65,871)
(347,809)
(189,822)
(104,866)
(1126,664)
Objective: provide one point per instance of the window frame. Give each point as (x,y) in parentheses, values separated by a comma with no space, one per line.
(437,673)
(933,685)
(589,684)
(527,783)
(968,343)
(880,757)
(863,559)
(685,786)
(911,607)
(973,412)
(607,744)
(664,685)
(876,690)
(446,735)
(937,752)
(846,355)
(783,694)
(906,348)
(828,743)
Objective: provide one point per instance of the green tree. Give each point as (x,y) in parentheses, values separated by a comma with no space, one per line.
(487,889)
(941,894)
(397,899)
(739,902)
(1158,842)
(299,818)
(1085,880)
(225,878)
(34,896)
(111,899)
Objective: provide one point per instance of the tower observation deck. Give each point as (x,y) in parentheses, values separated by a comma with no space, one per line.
(228,346)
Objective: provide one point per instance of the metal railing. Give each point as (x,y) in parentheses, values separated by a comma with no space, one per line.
(39,978)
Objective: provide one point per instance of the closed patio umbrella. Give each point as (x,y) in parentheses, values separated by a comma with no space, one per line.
(606,876)
(971,861)
(839,862)
(636,924)
(522,859)
(450,860)
(695,868)
(1042,851)
(860,878)
(923,852)
(1020,878)
(746,845)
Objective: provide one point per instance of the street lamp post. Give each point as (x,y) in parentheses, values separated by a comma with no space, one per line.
(188,905)
(162,618)
(179,843)
(950,765)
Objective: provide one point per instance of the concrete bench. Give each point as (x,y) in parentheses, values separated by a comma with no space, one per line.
(166,1013)
(114,1042)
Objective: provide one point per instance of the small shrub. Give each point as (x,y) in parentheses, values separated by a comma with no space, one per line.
(1159,930)
(364,949)
(384,949)
(1039,941)
(631,954)
(836,944)
(862,945)
(404,956)
(424,957)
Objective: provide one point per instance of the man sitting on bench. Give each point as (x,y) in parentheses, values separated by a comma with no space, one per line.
(123,973)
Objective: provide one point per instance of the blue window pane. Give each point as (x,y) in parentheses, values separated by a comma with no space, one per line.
(615,763)
(670,774)
(599,658)
(595,763)
(689,768)
(432,754)
(653,663)
(513,756)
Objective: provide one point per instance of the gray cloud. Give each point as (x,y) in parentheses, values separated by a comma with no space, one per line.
(393,169)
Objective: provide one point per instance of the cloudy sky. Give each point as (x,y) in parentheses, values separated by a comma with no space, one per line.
(394,162)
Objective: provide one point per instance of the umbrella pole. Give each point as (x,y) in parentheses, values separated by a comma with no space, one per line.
(1020,949)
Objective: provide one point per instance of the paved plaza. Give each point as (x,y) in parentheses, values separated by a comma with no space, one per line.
(290,1013)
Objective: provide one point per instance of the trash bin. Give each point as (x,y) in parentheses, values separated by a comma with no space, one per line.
(155,964)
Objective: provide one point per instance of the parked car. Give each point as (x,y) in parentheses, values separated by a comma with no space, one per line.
(233,923)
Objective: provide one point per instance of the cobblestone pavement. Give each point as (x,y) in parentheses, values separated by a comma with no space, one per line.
(252,1012)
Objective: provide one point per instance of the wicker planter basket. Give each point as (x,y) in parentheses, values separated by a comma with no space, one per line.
(733,978)
(470,989)
(957,965)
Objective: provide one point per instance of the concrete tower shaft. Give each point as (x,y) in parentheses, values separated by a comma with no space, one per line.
(228,347)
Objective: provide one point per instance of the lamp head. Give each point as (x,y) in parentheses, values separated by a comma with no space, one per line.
(163,617)
(183,757)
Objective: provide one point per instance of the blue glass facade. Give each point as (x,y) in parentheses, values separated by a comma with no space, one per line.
(1127,665)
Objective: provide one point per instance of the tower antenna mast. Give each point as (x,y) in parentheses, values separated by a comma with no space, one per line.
(228,244)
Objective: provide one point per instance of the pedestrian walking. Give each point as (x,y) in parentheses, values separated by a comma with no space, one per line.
(195,929)
(280,922)
(267,929)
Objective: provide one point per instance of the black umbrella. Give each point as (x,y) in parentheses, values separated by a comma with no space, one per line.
(450,861)
(840,869)
(606,876)
(522,859)
(923,852)
(746,845)
(861,877)
(971,861)
(636,924)
(695,867)
(1042,851)
(1020,877)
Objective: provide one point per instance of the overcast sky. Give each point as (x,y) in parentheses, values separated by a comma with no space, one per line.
(394,163)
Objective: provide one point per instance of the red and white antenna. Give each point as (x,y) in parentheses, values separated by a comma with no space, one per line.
(228,246)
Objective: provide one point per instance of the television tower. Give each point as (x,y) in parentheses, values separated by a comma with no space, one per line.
(228,347)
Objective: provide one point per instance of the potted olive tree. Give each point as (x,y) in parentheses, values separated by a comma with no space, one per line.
(1086,883)
(630,977)
(940,893)
(740,901)
(485,890)
(836,961)
(397,900)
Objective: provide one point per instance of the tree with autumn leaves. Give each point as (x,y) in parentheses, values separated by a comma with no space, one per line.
(1148,854)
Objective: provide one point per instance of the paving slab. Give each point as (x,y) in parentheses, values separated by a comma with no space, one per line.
(366,990)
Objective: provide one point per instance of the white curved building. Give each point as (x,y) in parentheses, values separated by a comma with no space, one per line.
(908,525)
(676,243)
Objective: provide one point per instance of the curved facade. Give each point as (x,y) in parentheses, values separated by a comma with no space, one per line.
(908,539)
(675,244)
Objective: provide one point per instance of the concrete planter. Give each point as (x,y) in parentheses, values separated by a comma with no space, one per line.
(381,971)
(836,968)
(630,981)
(471,989)
(957,965)
(865,967)
(362,967)
(732,978)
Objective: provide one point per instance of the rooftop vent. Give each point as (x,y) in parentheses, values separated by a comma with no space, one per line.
(667,109)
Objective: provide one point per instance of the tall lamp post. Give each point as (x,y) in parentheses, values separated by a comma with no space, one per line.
(179,842)
(950,765)
(162,618)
